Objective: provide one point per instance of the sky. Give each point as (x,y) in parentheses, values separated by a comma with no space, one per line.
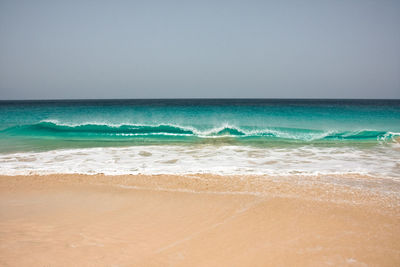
(199,49)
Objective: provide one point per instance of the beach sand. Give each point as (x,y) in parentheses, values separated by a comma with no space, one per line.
(198,220)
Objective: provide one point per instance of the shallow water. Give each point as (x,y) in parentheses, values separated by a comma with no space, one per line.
(241,136)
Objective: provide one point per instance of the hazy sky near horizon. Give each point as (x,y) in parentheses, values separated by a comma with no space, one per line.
(173,49)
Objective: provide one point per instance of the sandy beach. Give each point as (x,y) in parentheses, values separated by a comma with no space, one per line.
(197,220)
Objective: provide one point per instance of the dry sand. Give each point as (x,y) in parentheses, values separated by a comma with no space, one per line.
(198,220)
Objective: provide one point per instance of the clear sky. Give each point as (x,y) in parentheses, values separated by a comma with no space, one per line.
(173,49)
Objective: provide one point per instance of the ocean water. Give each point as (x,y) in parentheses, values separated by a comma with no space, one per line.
(222,136)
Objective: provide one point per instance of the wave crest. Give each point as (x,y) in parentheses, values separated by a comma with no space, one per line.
(54,128)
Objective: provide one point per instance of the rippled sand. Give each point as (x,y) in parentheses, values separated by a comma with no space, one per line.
(199,220)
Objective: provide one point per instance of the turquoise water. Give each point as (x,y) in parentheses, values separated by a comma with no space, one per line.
(364,126)
(41,125)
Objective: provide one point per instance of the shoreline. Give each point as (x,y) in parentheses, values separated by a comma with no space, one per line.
(198,220)
(303,159)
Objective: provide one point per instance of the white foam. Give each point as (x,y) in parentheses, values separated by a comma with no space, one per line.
(306,160)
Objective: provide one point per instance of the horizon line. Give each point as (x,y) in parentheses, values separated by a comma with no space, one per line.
(196,98)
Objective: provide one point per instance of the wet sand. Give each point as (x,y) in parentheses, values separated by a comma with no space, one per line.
(198,220)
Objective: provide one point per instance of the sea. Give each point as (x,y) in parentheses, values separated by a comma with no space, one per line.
(276,137)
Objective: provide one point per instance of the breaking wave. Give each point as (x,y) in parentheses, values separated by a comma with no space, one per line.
(89,130)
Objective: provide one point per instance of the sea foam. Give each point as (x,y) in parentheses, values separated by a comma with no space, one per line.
(165,159)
